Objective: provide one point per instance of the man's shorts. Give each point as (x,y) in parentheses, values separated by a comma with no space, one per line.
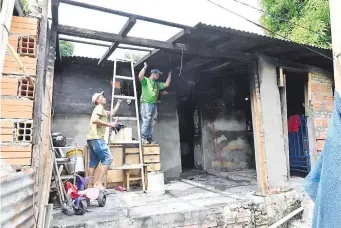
(99,152)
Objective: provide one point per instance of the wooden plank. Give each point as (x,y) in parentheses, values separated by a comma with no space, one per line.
(10,148)
(111,37)
(151,150)
(6,131)
(16,161)
(25,20)
(131,150)
(6,138)
(258,131)
(133,159)
(154,167)
(15,102)
(15,154)
(6,124)
(124,31)
(151,158)
(9,92)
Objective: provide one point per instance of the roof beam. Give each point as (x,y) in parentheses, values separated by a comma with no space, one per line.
(165,46)
(54,11)
(111,37)
(124,14)
(124,31)
(103,45)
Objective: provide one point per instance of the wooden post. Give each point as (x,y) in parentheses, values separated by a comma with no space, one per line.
(335,18)
(258,131)
(5,24)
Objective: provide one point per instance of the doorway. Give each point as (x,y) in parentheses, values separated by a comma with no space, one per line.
(186,127)
(296,93)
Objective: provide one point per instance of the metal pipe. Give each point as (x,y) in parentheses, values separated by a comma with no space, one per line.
(286,218)
(124,14)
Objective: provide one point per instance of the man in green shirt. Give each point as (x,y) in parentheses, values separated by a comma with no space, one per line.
(98,148)
(150,92)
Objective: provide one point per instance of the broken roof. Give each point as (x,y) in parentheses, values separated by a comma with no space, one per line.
(241,43)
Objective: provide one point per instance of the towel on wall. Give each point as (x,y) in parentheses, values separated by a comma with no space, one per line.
(323,184)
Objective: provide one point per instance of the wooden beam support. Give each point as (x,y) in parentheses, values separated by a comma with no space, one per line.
(104,45)
(84,42)
(124,32)
(111,37)
(54,11)
(124,14)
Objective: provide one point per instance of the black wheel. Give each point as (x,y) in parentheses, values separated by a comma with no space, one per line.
(81,208)
(88,202)
(102,199)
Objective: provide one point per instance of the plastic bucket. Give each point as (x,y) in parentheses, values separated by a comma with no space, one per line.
(77,162)
(156,183)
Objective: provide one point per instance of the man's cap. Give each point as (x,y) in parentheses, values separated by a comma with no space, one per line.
(156,71)
(95,96)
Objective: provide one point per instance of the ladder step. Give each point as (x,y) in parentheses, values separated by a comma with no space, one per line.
(124,97)
(123,77)
(122,167)
(127,118)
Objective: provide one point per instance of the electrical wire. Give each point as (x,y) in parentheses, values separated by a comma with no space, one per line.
(269,30)
(276,17)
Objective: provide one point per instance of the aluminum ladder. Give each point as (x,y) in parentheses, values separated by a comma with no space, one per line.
(140,165)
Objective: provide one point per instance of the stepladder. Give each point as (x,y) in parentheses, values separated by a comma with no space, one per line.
(126,168)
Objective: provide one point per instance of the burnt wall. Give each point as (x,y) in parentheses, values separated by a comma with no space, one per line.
(221,116)
(74,86)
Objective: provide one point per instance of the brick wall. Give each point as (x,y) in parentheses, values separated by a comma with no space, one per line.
(17,94)
(322,104)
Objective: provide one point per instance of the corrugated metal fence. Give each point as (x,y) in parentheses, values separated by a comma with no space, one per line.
(18,192)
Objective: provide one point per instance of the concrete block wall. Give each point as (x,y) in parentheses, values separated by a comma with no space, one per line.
(17,94)
(322,104)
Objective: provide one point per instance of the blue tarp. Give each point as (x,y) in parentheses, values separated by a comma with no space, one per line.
(323,184)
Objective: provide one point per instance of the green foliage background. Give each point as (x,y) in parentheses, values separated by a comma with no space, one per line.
(281,16)
(66,48)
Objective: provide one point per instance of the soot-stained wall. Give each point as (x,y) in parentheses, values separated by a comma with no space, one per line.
(74,86)
(221,117)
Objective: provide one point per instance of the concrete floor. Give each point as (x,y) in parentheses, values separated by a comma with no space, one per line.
(196,200)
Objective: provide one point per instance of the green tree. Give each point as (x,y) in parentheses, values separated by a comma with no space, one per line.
(66,48)
(302,21)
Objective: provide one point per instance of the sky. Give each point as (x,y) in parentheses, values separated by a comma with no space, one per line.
(187,12)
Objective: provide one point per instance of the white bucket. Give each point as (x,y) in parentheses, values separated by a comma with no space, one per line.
(156,183)
(77,161)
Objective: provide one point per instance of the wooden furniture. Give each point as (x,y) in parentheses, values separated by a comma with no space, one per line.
(127,177)
(151,157)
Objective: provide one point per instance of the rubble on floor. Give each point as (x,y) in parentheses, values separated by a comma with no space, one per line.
(196,200)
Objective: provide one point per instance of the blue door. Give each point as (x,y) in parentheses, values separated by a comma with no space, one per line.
(299,147)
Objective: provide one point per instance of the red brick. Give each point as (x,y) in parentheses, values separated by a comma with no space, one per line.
(329,107)
(315,88)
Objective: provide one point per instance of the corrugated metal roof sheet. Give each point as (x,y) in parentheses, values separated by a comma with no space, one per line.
(238,41)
